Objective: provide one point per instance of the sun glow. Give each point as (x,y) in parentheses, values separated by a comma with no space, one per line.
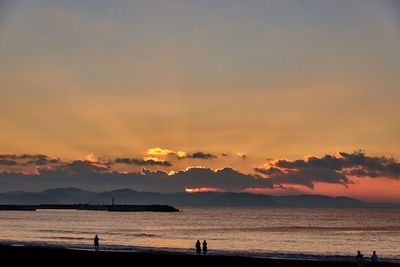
(242,155)
(158,151)
(202,189)
(181,154)
(91,158)
(164,152)
(153,159)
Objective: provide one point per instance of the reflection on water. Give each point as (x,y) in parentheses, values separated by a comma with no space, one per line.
(258,231)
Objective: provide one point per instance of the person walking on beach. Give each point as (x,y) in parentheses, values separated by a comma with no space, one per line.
(96,243)
(198,248)
(204,247)
(374,258)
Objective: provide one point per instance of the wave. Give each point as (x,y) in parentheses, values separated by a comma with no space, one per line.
(123,233)
(64,238)
(300,228)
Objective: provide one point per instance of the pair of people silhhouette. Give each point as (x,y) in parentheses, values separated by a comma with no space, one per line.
(198,247)
(360,259)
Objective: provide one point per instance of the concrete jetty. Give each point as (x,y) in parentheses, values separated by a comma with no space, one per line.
(113,208)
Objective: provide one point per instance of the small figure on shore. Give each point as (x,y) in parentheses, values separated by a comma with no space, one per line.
(360,259)
(198,247)
(374,257)
(96,243)
(204,247)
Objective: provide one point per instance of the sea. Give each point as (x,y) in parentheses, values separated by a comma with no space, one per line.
(309,233)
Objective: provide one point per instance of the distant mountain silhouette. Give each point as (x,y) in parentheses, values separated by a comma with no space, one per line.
(207,199)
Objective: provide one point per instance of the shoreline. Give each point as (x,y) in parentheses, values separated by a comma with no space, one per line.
(58,256)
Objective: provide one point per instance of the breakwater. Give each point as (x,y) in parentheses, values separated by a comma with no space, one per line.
(112,208)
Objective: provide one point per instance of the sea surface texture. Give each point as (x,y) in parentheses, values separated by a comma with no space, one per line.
(262,232)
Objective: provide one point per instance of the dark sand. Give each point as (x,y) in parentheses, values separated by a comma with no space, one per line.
(41,256)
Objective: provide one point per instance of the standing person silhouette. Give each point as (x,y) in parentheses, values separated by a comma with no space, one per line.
(360,259)
(198,248)
(204,247)
(374,258)
(96,243)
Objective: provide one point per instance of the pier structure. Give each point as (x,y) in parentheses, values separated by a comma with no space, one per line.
(112,207)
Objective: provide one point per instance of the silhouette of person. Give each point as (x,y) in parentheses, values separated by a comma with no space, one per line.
(374,258)
(198,248)
(96,243)
(360,259)
(204,247)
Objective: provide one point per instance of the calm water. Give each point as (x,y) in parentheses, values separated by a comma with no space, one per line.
(264,232)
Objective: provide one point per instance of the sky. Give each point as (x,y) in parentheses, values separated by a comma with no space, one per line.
(278,97)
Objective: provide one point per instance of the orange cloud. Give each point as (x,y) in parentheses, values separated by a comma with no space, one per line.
(158,151)
(153,159)
(91,158)
(242,155)
(202,189)
(164,152)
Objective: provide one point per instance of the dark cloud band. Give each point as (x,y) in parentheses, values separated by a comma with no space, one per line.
(143,162)
(202,155)
(330,169)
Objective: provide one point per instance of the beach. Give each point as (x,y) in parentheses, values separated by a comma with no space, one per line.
(45,256)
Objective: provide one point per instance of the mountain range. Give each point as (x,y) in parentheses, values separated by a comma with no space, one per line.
(207,199)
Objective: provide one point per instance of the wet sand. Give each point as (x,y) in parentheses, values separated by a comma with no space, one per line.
(43,256)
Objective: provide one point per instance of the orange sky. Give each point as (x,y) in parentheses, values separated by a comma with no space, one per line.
(365,189)
(268,80)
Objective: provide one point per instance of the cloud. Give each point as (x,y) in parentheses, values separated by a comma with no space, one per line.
(272,171)
(202,155)
(328,161)
(242,155)
(91,157)
(8,162)
(180,154)
(226,178)
(165,152)
(40,161)
(143,162)
(27,159)
(86,175)
(94,174)
(77,167)
(21,156)
(309,176)
(330,169)
(371,166)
